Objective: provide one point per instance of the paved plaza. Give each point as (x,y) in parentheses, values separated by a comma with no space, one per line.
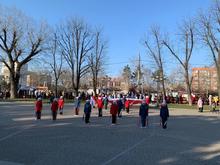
(191,138)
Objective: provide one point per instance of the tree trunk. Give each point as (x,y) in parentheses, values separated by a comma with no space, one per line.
(56,82)
(188,87)
(14,86)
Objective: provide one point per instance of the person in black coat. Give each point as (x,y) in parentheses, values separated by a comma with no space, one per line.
(87,111)
(143,113)
(164,114)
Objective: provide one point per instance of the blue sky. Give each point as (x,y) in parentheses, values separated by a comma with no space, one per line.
(125,22)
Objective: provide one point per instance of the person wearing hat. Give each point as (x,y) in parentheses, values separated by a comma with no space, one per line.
(100,105)
(54,108)
(38,108)
(143,113)
(87,111)
(164,114)
(114,111)
(61,104)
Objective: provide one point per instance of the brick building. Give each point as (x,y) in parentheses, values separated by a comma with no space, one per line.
(204,79)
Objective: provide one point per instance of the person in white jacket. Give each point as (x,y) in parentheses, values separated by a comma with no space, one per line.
(200,104)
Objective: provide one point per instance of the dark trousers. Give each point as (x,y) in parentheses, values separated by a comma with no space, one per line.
(38,114)
(87,117)
(143,121)
(76,111)
(164,123)
(54,115)
(201,109)
(119,112)
(61,111)
(114,118)
(100,112)
(127,110)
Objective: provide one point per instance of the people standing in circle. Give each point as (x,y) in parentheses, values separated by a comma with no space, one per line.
(143,113)
(87,111)
(54,109)
(164,114)
(200,104)
(61,104)
(38,108)
(100,106)
(114,112)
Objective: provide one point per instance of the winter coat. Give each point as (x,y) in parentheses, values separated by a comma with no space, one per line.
(200,103)
(114,109)
(61,103)
(87,108)
(100,103)
(164,112)
(120,104)
(54,106)
(127,104)
(143,111)
(38,106)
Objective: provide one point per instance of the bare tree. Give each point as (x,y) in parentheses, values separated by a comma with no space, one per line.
(97,58)
(209,32)
(20,42)
(187,39)
(76,43)
(155,52)
(57,60)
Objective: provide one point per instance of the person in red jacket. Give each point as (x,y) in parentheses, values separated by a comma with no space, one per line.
(127,105)
(61,104)
(38,108)
(114,111)
(54,108)
(100,106)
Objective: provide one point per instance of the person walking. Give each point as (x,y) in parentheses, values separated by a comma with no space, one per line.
(54,108)
(87,111)
(200,104)
(114,111)
(143,113)
(164,114)
(38,108)
(61,105)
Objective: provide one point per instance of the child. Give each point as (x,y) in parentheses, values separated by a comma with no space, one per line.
(164,114)
(54,108)
(87,111)
(77,105)
(100,106)
(143,113)
(38,108)
(61,104)
(127,105)
(114,111)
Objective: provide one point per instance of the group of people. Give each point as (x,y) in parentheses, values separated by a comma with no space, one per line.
(116,107)
(56,105)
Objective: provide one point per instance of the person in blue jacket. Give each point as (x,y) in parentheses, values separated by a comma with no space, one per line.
(143,113)
(164,114)
(87,111)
